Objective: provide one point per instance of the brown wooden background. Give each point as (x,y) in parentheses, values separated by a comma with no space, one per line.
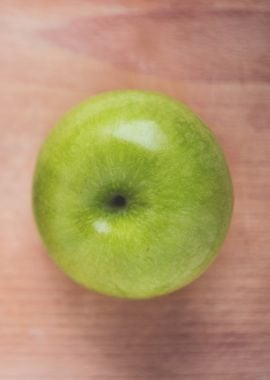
(214,55)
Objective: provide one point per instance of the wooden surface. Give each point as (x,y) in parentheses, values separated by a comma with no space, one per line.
(214,55)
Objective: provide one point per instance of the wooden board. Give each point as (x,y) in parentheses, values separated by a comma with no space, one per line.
(215,56)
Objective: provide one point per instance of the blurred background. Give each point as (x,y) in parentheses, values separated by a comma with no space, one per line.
(214,56)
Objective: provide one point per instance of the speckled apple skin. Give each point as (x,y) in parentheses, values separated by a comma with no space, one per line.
(155,152)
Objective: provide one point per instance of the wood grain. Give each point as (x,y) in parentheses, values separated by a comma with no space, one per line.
(215,56)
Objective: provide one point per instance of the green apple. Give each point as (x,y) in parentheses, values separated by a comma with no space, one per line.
(132,194)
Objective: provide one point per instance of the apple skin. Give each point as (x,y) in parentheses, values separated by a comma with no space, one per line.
(132,194)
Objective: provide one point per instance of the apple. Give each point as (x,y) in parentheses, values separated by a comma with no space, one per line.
(132,194)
